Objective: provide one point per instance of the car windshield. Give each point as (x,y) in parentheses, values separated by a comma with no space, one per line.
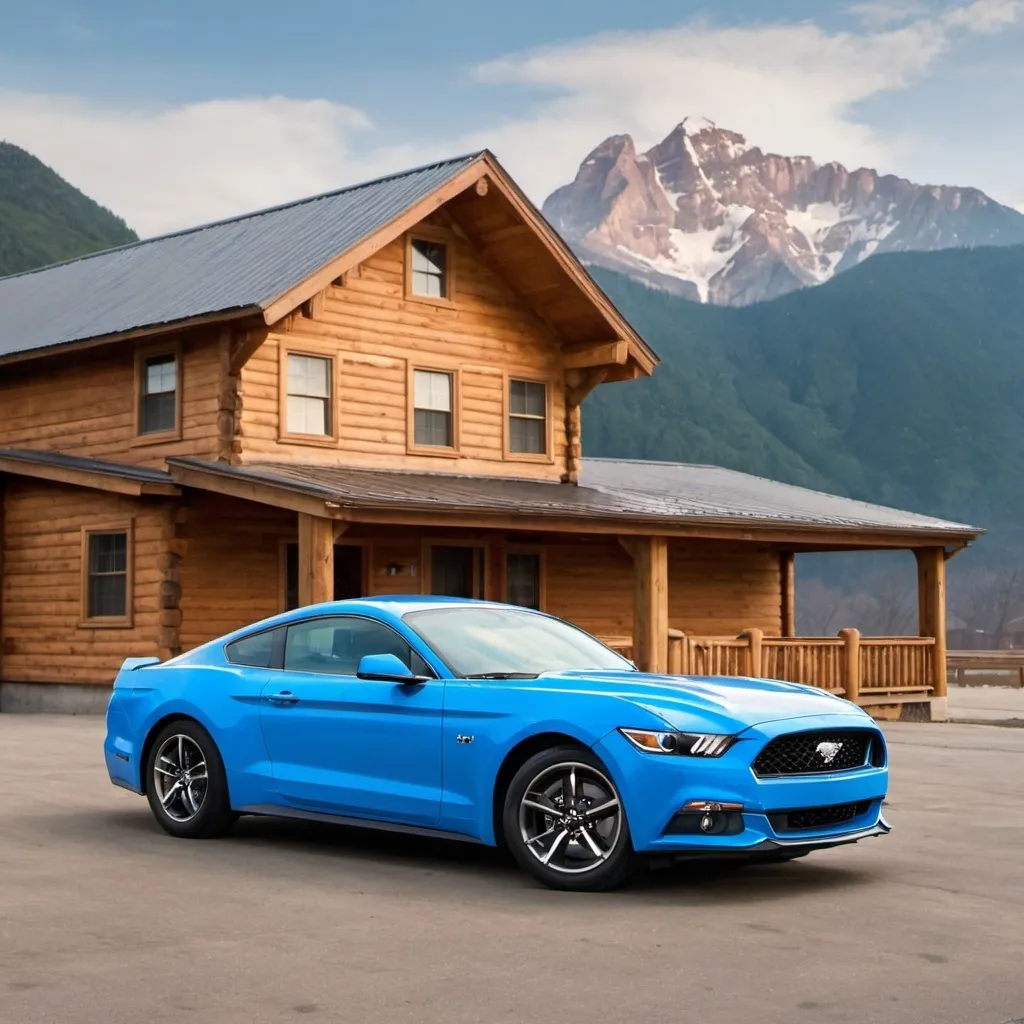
(506,643)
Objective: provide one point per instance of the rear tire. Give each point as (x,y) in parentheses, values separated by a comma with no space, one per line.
(565,824)
(186,783)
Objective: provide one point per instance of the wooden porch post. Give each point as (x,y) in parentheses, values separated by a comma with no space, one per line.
(931,609)
(650,601)
(787,565)
(316,559)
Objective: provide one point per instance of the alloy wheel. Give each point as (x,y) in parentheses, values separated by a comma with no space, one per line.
(570,817)
(180,778)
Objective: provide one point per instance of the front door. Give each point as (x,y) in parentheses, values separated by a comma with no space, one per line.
(349,746)
(457,570)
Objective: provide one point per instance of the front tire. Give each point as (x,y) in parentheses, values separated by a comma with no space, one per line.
(186,784)
(565,824)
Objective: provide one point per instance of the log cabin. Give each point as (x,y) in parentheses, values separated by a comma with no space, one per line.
(378,391)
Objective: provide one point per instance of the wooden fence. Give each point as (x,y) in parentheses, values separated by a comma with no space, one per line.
(868,670)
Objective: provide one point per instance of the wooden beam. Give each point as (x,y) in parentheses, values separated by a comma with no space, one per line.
(931,609)
(578,357)
(296,295)
(579,383)
(316,559)
(244,346)
(787,579)
(650,601)
(276,495)
(92,479)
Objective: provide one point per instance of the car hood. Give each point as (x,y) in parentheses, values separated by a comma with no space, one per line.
(718,703)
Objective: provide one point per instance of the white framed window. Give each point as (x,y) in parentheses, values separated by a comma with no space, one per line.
(527,417)
(433,408)
(308,396)
(428,267)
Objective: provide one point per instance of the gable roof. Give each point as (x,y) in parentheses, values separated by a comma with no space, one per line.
(263,264)
(238,265)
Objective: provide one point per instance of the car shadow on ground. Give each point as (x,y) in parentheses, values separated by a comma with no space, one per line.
(263,840)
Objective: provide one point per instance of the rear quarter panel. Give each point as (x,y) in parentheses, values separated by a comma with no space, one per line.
(223,699)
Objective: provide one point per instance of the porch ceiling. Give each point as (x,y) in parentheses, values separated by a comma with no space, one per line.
(614,497)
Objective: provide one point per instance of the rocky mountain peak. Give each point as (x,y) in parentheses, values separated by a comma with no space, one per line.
(703,214)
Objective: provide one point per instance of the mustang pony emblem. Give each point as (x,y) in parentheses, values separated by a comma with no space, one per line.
(827,750)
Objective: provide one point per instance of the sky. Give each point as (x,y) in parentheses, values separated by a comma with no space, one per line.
(176,113)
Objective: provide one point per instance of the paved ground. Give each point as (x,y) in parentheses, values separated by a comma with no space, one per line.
(1003,704)
(105,919)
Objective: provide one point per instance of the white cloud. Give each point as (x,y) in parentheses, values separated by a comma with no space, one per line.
(170,168)
(881,13)
(790,87)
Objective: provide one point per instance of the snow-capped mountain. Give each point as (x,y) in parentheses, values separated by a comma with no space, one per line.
(709,217)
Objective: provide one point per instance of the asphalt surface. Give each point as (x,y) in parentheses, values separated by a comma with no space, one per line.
(103,918)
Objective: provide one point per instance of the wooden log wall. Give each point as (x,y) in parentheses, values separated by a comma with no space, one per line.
(41,595)
(375,333)
(83,403)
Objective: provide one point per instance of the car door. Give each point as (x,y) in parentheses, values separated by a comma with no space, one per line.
(349,746)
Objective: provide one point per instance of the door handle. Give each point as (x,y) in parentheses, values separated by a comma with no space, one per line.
(284,697)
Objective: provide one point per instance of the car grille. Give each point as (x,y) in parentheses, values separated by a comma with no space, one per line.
(817,817)
(808,753)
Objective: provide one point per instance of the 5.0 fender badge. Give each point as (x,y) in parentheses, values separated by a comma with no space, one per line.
(464,739)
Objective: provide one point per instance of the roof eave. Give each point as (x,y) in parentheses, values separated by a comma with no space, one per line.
(145,331)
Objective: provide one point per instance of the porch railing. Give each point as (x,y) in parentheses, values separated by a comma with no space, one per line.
(869,670)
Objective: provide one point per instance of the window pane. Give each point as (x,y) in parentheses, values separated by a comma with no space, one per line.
(108,596)
(160,376)
(336,646)
(108,552)
(433,428)
(309,376)
(527,398)
(523,575)
(158,412)
(432,390)
(307,415)
(254,651)
(429,269)
(527,437)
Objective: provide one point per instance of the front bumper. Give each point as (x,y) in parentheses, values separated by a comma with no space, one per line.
(654,788)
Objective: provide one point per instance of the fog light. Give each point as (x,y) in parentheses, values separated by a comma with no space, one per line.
(711,805)
(707,823)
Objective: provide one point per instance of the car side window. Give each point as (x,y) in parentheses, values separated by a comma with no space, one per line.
(254,651)
(337,644)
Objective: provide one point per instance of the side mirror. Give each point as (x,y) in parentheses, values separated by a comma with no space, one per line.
(387,668)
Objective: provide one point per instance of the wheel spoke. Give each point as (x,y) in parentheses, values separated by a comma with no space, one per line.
(164,771)
(166,798)
(568,786)
(543,835)
(555,843)
(589,840)
(548,809)
(191,804)
(602,810)
(181,753)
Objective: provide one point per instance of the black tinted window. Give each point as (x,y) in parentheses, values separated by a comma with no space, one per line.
(336,645)
(254,651)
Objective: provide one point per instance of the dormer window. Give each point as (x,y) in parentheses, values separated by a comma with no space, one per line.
(429,269)
(158,394)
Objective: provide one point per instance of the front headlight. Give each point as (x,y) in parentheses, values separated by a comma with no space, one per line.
(689,744)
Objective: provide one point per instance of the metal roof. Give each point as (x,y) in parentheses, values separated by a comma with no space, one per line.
(618,490)
(233,265)
(142,474)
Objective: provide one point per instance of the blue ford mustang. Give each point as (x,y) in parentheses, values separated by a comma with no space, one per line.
(493,724)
